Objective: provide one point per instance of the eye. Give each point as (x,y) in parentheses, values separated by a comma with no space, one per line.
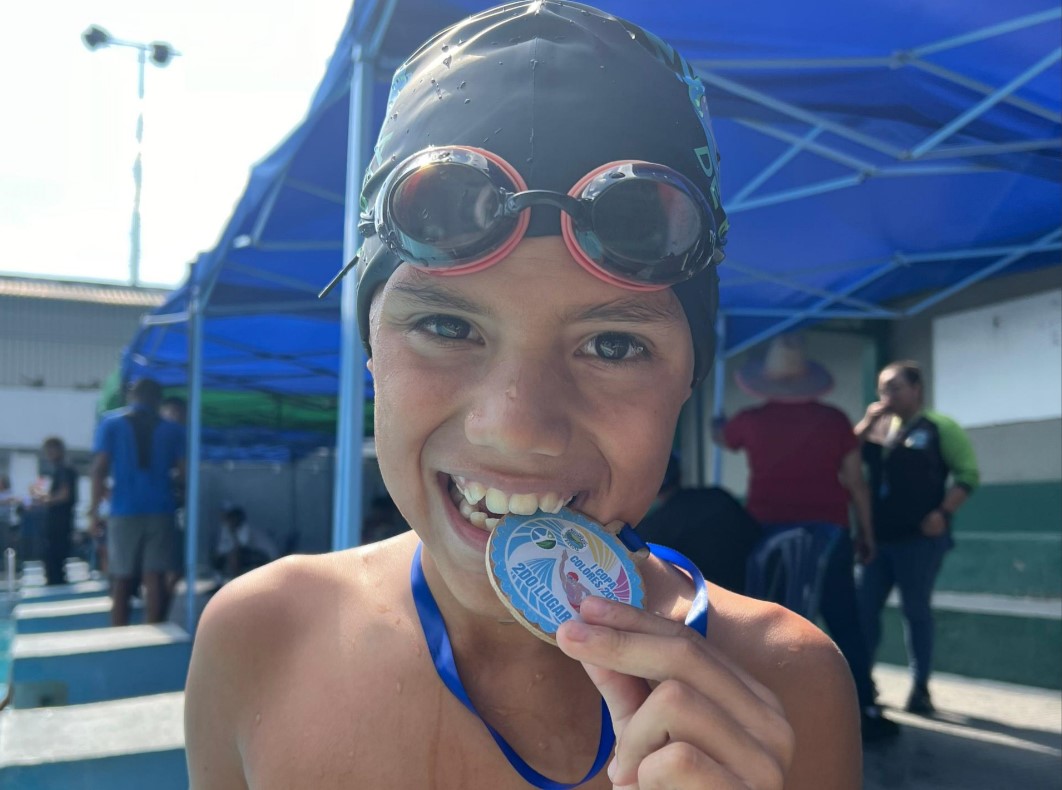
(445,327)
(615,347)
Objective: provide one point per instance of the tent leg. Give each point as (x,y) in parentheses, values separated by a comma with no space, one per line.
(347,504)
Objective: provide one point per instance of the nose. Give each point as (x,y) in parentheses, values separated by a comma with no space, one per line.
(524,407)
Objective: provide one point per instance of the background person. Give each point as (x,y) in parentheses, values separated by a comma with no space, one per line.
(141,452)
(706,524)
(922,468)
(241,547)
(804,468)
(58,503)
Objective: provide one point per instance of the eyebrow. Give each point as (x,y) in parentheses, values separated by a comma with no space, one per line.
(434,295)
(630,310)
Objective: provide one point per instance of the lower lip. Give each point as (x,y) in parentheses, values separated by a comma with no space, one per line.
(473,536)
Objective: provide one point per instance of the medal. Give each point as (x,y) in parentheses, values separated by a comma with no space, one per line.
(544,566)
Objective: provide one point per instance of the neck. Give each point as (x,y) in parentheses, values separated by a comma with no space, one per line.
(484,634)
(909,414)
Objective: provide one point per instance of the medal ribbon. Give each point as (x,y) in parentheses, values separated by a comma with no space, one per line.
(442,655)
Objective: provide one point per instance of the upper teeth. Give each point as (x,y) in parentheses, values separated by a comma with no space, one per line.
(500,502)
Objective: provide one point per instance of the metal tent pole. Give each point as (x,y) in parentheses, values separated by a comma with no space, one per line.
(347,501)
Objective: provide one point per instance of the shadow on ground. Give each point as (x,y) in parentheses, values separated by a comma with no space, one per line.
(985,737)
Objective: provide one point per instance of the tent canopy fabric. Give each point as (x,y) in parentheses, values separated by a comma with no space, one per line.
(870,151)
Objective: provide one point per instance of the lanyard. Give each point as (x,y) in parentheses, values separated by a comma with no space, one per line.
(442,657)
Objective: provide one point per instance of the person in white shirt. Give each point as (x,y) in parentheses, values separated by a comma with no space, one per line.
(241,547)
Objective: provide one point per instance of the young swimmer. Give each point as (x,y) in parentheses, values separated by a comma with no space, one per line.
(530,350)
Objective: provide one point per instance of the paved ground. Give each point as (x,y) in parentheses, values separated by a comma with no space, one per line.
(985,736)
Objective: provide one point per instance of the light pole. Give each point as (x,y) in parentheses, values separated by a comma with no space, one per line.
(96,37)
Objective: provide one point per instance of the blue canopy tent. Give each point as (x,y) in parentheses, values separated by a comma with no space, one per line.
(871,151)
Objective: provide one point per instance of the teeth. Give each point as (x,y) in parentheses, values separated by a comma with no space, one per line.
(467,494)
(497,501)
(491,523)
(474,492)
(550,503)
(479,518)
(522,504)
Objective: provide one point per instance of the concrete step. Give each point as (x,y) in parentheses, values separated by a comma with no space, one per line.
(117,745)
(1005,562)
(64,592)
(73,667)
(1003,638)
(73,614)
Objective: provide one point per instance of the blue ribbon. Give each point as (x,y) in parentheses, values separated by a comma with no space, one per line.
(442,655)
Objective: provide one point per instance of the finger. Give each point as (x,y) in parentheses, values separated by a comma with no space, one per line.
(623,694)
(659,659)
(679,766)
(648,663)
(676,712)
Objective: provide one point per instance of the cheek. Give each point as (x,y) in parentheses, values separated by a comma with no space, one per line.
(636,433)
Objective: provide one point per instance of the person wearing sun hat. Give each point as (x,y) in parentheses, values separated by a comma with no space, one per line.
(804,468)
(535,292)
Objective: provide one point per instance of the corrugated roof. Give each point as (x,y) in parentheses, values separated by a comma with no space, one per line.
(59,290)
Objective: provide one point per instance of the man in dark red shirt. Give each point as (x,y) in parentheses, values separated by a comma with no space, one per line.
(805,467)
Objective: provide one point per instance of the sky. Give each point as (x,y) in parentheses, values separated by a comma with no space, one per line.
(245,77)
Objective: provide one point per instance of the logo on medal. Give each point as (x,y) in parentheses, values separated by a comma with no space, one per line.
(545,566)
(543,537)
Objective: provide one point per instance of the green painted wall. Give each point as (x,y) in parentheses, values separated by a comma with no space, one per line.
(1013,507)
(1022,650)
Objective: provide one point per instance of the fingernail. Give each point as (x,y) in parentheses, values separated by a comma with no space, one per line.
(613,769)
(576,631)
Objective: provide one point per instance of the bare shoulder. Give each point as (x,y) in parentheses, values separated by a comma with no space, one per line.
(809,676)
(264,628)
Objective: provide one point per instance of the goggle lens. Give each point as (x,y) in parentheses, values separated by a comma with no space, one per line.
(447,214)
(641,223)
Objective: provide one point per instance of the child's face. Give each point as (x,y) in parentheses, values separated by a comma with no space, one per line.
(504,379)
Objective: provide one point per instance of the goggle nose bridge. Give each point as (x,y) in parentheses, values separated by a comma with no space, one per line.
(577,209)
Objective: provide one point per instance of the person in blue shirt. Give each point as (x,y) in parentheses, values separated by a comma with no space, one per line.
(142,454)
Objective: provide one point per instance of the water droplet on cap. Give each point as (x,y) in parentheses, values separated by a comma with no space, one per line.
(447,60)
(467,101)
(461,86)
(445,47)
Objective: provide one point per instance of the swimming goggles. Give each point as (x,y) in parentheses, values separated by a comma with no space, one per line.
(458,210)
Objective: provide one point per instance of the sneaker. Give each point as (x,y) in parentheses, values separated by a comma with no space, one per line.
(920,702)
(875,727)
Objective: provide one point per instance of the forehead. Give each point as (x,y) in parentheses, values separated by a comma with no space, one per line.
(892,377)
(538,278)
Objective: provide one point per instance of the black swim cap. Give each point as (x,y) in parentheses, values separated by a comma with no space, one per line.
(556,89)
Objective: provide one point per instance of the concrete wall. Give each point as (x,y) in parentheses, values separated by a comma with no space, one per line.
(1009,452)
(62,344)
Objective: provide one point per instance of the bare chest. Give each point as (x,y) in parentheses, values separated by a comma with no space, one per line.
(392,724)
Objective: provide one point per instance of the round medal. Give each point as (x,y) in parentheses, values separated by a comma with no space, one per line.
(545,565)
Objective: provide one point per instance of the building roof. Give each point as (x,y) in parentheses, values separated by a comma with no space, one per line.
(68,291)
